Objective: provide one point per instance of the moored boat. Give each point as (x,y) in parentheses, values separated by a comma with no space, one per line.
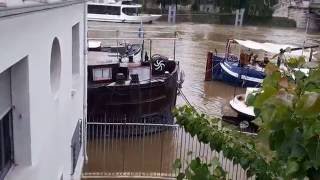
(124,11)
(239,103)
(247,68)
(138,91)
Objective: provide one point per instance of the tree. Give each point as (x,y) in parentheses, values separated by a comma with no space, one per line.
(288,113)
(259,8)
(253,7)
(287,147)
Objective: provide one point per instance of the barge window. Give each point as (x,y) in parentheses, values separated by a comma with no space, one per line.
(6,144)
(98,9)
(128,3)
(102,74)
(131,11)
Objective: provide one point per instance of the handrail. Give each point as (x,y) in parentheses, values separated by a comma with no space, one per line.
(137,38)
(134,124)
(111,30)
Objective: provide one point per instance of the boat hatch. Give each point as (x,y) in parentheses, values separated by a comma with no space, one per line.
(240,98)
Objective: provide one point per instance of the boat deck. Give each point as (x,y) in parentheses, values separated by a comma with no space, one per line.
(101,58)
(96,58)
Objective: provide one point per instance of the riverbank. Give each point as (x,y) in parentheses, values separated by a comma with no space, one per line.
(228,19)
(225,19)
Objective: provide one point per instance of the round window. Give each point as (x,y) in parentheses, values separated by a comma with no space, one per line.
(55,66)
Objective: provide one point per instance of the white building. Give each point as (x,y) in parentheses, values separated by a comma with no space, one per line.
(306,13)
(42,89)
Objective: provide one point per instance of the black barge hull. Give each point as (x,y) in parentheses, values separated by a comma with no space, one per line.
(144,102)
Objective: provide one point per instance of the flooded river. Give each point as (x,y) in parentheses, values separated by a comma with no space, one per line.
(196,41)
(156,153)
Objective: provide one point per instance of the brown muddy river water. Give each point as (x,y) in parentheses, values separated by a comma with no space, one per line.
(196,40)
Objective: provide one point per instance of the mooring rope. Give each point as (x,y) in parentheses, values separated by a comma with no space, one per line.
(184,97)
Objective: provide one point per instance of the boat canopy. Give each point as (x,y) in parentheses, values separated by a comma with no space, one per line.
(271,47)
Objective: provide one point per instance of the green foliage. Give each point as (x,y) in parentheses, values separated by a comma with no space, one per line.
(184,2)
(234,145)
(288,144)
(296,62)
(199,170)
(288,112)
(259,8)
(195,6)
(227,6)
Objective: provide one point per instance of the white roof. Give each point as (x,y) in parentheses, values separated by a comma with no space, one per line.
(271,47)
(118,3)
(94,44)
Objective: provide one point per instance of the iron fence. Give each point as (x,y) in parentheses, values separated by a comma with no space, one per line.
(143,150)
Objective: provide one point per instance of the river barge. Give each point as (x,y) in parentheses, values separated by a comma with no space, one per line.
(128,91)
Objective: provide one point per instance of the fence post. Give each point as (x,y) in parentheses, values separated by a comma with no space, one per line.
(208,73)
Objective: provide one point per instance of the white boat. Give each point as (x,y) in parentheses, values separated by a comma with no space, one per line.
(124,11)
(238,103)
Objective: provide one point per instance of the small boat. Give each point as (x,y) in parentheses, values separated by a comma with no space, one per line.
(247,69)
(122,11)
(239,104)
(241,115)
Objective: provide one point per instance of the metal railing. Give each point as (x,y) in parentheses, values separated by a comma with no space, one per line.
(131,150)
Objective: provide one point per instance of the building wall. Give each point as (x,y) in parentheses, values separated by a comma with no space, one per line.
(52,117)
(300,11)
(299,15)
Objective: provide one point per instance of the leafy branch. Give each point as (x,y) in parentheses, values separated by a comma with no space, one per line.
(241,150)
(288,113)
(199,170)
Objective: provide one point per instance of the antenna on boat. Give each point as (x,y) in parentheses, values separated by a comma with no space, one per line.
(141,35)
(174,46)
(117,34)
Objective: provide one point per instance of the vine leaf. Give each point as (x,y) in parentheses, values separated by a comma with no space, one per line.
(177,164)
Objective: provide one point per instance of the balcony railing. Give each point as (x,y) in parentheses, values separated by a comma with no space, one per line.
(139,150)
